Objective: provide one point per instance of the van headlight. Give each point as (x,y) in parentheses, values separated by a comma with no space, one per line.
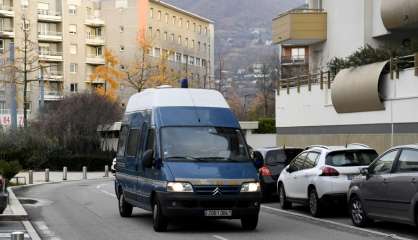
(179,187)
(250,187)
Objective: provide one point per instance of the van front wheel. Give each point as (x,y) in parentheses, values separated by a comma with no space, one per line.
(125,208)
(249,222)
(160,222)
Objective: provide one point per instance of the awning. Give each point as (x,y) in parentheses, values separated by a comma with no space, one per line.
(357,89)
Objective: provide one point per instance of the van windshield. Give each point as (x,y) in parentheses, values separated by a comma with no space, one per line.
(211,144)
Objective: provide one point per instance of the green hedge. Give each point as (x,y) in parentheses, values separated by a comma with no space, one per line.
(266,125)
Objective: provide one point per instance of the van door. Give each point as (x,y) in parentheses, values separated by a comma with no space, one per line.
(131,165)
(151,176)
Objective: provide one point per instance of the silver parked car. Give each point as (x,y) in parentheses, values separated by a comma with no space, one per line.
(388,189)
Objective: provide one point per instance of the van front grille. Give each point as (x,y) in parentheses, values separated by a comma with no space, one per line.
(223,190)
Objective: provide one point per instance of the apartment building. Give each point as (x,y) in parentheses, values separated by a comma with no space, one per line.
(373,104)
(69,38)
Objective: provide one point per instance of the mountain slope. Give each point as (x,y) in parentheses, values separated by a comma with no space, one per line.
(242,27)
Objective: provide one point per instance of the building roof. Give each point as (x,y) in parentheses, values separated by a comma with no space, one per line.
(177,9)
(175,97)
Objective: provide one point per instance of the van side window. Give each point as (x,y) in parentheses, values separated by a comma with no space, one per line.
(133,142)
(122,141)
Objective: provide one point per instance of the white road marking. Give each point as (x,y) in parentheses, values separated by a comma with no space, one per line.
(45,232)
(390,236)
(219,237)
(99,187)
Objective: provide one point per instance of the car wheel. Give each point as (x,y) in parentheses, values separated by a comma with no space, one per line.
(249,222)
(357,213)
(125,208)
(160,222)
(315,206)
(284,203)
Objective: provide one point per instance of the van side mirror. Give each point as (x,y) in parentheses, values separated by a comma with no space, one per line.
(148,159)
(365,172)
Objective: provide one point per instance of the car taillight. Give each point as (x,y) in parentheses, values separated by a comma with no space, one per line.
(264,171)
(329,172)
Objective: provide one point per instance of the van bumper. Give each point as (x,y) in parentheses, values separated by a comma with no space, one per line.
(192,205)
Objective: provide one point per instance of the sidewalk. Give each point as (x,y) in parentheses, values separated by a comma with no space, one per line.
(39,177)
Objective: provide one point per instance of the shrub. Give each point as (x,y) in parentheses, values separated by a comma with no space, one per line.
(266,125)
(9,169)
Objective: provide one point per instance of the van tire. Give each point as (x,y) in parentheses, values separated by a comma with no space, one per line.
(160,222)
(249,223)
(125,208)
(284,203)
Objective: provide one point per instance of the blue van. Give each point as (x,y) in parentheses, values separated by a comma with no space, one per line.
(181,153)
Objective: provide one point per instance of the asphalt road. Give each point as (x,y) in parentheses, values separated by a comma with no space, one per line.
(88,210)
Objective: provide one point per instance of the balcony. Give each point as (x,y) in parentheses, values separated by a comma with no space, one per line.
(95,59)
(301,27)
(49,16)
(6,11)
(53,95)
(54,76)
(7,32)
(50,36)
(95,40)
(294,60)
(50,56)
(400,15)
(94,21)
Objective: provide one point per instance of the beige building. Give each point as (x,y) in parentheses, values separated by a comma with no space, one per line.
(69,38)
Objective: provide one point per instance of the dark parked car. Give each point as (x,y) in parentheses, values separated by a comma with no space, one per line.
(3,195)
(388,189)
(270,162)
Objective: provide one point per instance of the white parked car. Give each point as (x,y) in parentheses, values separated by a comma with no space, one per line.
(113,167)
(321,174)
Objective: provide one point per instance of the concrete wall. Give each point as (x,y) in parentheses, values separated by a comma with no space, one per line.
(310,118)
(261,140)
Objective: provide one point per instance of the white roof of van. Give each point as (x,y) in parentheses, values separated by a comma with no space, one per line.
(175,97)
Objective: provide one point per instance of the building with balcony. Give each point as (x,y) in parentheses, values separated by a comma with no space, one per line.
(371,104)
(69,39)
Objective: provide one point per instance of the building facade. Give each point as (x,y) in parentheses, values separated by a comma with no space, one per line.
(371,104)
(68,39)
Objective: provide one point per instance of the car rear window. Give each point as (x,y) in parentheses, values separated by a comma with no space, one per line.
(281,156)
(351,158)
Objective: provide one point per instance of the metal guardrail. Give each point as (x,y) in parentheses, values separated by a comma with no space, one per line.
(50,33)
(48,12)
(325,78)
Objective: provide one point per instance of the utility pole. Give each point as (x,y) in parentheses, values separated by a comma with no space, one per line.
(25,28)
(42,89)
(221,66)
(13,103)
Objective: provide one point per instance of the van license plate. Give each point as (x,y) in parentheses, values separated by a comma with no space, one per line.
(218,213)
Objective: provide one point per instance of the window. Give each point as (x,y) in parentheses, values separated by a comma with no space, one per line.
(179,39)
(122,48)
(72,9)
(43,8)
(384,164)
(150,139)
(186,42)
(73,29)
(194,27)
(408,161)
(99,51)
(150,31)
(1,45)
(180,22)
(191,60)
(178,57)
(122,67)
(188,24)
(73,67)
(206,31)
(74,87)
(174,20)
(165,36)
(199,44)
(159,15)
(193,44)
(158,34)
(121,29)
(157,52)
(172,37)
(167,16)
(185,59)
(200,29)
(73,49)
(204,63)
(311,160)
(122,141)
(298,162)
(198,62)
(133,142)
(298,54)
(2,106)
(351,158)
(151,12)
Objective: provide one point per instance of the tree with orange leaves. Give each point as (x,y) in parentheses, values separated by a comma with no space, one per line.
(110,74)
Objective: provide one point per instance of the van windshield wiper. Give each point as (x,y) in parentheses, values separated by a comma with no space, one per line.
(185,158)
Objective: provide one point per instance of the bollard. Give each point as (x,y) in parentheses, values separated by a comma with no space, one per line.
(64,173)
(47,175)
(17,236)
(30,177)
(84,173)
(106,171)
